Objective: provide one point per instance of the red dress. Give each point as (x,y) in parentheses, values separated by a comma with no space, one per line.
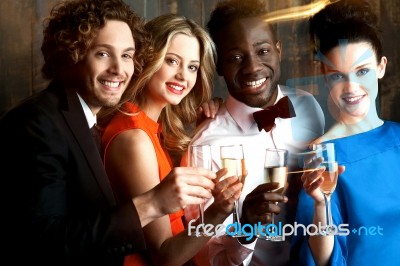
(122,122)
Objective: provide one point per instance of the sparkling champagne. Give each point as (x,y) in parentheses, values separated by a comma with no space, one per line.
(330,177)
(276,174)
(236,167)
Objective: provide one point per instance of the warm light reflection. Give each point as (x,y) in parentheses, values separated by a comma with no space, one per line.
(298,12)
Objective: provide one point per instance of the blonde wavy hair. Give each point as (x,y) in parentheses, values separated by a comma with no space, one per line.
(177,121)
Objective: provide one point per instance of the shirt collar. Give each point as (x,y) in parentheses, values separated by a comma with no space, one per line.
(90,118)
(242,113)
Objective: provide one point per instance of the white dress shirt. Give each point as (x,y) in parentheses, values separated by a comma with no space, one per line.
(91,119)
(234,124)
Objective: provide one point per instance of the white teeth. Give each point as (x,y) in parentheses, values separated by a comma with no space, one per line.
(178,88)
(353,99)
(110,84)
(255,83)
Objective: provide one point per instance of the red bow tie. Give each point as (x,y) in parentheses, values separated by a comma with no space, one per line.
(266,118)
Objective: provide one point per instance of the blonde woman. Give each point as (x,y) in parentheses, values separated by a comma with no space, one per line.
(152,121)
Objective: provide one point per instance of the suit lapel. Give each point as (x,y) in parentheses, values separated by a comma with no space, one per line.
(77,122)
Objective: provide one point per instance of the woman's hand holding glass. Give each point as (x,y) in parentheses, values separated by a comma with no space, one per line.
(232,158)
(227,190)
(320,178)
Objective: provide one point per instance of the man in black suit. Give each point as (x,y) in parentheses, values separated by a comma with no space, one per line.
(57,205)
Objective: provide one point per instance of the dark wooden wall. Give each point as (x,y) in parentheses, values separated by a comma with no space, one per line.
(21,34)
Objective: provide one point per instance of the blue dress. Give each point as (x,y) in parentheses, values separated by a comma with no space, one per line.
(366,198)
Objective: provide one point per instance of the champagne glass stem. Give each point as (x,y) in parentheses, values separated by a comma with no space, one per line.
(272,230)
(236,212)
(329,221)
(200,231)
(201,212)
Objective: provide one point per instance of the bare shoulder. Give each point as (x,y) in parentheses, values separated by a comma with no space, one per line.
(132,139)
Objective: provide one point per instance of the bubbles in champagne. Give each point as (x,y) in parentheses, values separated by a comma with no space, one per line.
(236,167)
(330,176)
(276,175)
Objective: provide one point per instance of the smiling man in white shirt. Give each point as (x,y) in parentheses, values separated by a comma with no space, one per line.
(249,56)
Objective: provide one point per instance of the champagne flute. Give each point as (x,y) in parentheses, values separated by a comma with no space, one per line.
(200,156)
(326,151)
(232,157)
(275,171)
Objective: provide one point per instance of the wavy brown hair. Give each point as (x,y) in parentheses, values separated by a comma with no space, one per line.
(72,26)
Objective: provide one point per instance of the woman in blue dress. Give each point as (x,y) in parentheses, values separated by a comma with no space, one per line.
(366,202)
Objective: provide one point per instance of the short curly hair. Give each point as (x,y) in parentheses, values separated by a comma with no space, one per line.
(229,11)
(72,26)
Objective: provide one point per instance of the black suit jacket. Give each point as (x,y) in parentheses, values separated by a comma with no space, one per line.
(58,207)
